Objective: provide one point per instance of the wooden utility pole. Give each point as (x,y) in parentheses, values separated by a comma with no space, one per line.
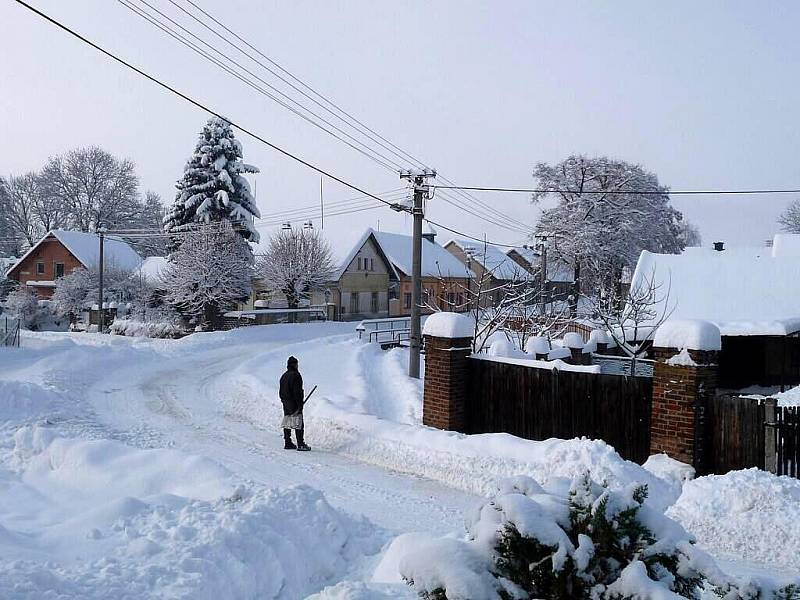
(101,313)
(421,192)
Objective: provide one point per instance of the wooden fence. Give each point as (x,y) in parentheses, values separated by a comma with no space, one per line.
(537,404)
(744,432)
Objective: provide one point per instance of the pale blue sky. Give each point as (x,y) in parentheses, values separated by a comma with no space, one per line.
(703,94)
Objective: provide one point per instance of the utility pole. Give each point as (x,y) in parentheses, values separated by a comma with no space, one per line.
(321,205)
(101,312)
(421,192)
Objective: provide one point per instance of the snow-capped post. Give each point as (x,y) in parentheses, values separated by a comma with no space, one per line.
(448,345)
(684,383)
(574,342)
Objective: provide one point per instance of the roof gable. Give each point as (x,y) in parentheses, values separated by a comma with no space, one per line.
(367,236)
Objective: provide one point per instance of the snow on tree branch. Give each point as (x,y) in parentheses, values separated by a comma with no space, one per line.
(297,262)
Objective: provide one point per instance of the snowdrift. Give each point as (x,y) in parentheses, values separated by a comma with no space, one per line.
(98,519)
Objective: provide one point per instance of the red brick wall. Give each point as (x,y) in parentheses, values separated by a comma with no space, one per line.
(679,392)
(49,252)
(446,380)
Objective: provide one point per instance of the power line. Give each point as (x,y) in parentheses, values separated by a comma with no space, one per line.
(470,237)
(388,195)
(617,192)
(483,208)
(196,103)
(385,162)
(209,110)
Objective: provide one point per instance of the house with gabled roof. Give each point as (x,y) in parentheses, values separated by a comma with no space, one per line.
(59,252)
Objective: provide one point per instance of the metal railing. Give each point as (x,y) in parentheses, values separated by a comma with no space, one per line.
(9,332)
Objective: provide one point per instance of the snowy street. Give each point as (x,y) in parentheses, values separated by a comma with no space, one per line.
(118,454)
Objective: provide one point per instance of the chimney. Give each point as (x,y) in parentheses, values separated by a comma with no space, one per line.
(429,233)
(719,246)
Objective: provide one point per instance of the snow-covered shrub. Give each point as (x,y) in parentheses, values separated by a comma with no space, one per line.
(133,328)
(71,292)
(21,304)
(584,541)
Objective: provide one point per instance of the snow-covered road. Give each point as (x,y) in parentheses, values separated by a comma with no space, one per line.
(156,468)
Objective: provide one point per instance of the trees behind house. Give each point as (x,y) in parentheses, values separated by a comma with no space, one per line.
(77,190)
(213,187)
(94,187)
(602,221)
(790,218)
(297,262)
(151,217)
(208,274)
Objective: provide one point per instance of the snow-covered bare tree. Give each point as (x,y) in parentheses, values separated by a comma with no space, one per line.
(94,187)
(23,194)
(208,274)
(690,235)
(151,217)
(72,292)
(790,218)
(297,262)
(10,243)
(606,212)
(632,318)
(213,187)
(21,303)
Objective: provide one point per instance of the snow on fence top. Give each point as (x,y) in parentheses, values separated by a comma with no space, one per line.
(689,334)
(557,364)
(449,325)
(744,291)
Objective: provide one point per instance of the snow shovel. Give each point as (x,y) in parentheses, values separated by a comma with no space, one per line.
(309,395)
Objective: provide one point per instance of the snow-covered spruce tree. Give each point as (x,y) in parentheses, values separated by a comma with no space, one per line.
(213,187)
(21,303)
(208,274)
(601,221)
(297,262)
(71,293)
(592,544)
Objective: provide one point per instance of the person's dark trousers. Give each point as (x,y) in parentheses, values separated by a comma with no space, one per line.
(287,439)
(298,434)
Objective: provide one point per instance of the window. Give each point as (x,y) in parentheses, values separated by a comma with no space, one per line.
(460,299)
(374,302)
(451,298)
(353,302)
(407,300)
(40,268)
(59,270)
(371,264)
(359,263)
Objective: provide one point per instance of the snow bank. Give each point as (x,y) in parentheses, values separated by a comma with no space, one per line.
(672,471)
(504,348)
(102,520)
(21,401)
(449,325)
(747,513)
(132,328)
(688,333)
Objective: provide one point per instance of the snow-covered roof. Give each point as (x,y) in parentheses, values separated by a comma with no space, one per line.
(492,259)
(86,248)
(786,245)
(436,260)
(396,247)
(151,268)
(744,292)
(557,271)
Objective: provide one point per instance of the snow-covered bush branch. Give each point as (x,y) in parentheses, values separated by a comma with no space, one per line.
(567,542)
(21,304)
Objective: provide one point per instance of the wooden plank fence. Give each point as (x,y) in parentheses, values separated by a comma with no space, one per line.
(744,432)
(538,404)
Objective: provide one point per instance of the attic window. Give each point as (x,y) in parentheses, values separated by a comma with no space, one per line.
(359,263)
(40,268)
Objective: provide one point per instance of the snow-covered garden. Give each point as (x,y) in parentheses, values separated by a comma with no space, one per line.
(134,467)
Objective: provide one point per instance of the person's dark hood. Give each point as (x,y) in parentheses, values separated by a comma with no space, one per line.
(291,363)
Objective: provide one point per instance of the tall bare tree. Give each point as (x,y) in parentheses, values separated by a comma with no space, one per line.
(95,188)
(23,194)
(297,262)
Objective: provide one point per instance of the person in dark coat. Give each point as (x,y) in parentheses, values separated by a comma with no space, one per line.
(291,393)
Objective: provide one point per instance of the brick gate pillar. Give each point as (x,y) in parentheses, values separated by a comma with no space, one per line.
(684,383)
(448,345)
